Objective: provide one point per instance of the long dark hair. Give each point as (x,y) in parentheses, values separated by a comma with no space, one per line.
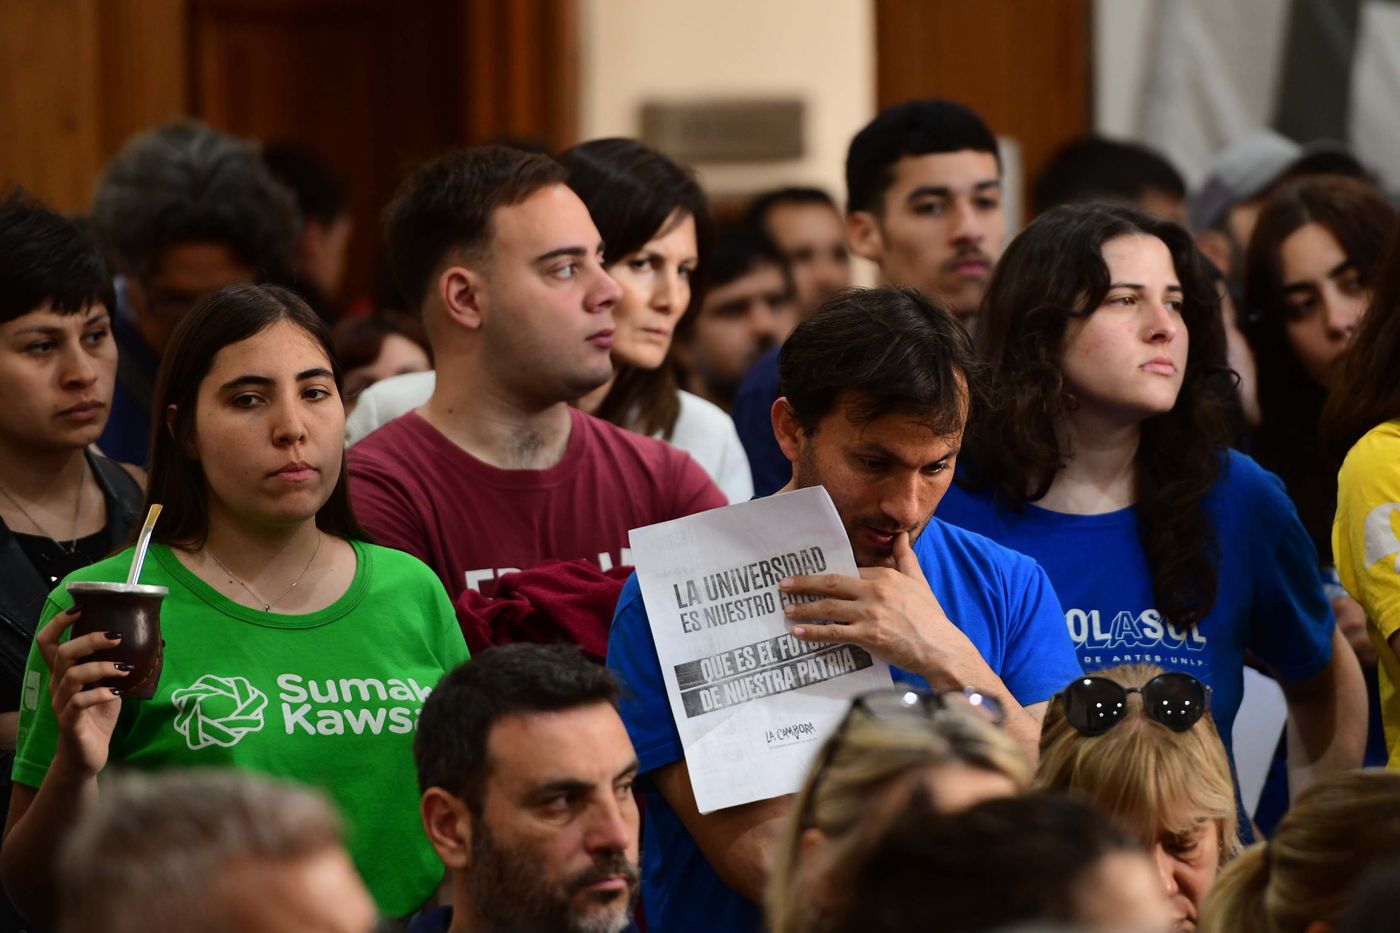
(631,191)
(1052,272)
(176,480)
(1367,392)
(1288,441)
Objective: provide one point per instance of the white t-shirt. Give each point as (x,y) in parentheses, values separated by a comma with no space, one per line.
(702,430)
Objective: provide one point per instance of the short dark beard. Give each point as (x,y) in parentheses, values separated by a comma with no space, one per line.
(510,893)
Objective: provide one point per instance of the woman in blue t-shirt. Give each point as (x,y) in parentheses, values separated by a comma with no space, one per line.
(1105,459)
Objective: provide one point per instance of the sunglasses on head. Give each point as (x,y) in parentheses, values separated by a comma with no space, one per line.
(1093,705)
(912,703)
(901,702)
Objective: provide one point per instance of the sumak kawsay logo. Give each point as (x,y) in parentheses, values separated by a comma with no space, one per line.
(1381,540)
(218,711)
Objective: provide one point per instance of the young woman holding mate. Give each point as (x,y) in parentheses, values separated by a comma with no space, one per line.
(273,596)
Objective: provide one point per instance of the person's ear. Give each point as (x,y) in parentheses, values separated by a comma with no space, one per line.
(461,293)
(187,448)
(811,842)
(863,236)
(448,823)
(786,430)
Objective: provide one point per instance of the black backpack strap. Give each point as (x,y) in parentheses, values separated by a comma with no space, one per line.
(124,497)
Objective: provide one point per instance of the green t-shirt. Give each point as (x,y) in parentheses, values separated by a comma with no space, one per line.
(329,698)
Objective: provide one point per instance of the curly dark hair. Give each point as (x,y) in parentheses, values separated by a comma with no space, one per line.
(1288,441)
(1055,271)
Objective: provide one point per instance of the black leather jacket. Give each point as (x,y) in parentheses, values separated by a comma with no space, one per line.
(23,590)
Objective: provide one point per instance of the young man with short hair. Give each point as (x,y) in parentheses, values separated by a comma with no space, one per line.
(748,309)
(497,472)
(876,389)
(806,225)
(923,202)
(526,774)
(183,210)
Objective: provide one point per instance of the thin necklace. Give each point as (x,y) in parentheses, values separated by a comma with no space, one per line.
(268,604)
(70,548)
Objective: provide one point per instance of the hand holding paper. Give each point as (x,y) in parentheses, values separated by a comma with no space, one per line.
(751,703)
(890,612)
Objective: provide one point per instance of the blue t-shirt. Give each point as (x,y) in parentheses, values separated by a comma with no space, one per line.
(127,435)
(1001,600)
(753,407)
(1269,598)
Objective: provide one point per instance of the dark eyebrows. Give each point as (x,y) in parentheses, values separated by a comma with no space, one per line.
(573,252)
(1337,271)
(944,191)
(242,381)
(575,786)
(930,191)
(97,316)
(1341,269)
(877,450)
(319,372)
(1138,287)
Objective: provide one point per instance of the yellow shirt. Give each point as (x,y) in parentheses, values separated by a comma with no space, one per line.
(1366,543)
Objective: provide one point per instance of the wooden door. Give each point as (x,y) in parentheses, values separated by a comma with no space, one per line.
(1024,65)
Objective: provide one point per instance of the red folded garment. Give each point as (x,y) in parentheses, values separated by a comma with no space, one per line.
(560,600)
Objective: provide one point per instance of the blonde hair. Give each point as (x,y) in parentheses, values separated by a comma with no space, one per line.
(865,763)
(1336,830)
(1139,770)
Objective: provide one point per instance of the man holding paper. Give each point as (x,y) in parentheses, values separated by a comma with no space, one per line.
(876,389)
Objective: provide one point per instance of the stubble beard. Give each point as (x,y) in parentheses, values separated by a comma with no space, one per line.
(510,893)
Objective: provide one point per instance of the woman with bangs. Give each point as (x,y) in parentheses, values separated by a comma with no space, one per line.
(1105,459)
(893,745)
(1168,782)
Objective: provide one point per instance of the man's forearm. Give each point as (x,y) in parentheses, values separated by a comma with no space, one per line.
(1326,720)
(37,826)
(738,842)
(971,670)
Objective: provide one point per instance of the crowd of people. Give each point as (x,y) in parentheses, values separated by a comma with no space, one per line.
(1091,472)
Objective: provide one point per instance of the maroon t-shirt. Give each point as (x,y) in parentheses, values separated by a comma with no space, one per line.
(415,490)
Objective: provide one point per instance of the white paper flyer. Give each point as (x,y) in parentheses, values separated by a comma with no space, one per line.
(752,703)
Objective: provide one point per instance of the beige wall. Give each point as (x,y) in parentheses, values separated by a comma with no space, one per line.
(680,50)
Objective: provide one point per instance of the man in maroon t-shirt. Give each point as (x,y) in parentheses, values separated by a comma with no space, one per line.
(497,472)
